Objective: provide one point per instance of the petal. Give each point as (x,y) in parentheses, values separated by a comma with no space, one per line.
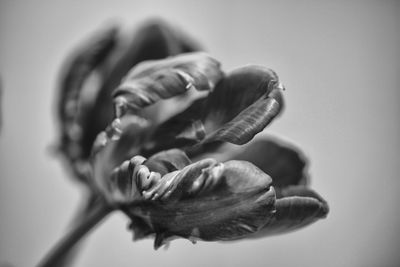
(167,161)
(284,162)
(151,81)
(121,141)
(297,207)
(154,40)
(71,103)
(208,201)
(241,106)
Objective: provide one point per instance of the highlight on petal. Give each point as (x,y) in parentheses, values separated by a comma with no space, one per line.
(240,106)
(117,144)
(243,105)
(284,162)
(153,40)
(169,157)
(168,161)
(205,200)
(296,207)
(151,81)
(98,66)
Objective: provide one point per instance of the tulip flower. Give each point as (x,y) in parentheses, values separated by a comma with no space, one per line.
(174,142)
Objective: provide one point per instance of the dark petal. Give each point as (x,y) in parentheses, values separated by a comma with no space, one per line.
(297,207)
(154,40)
(207,200)
(183,130)
(300,191)
(247,124)
(167,161)
(200,177)
(139,227)
(284,162)
(152,81)
(241,105)
(71,104)
(207,177)
(121,141)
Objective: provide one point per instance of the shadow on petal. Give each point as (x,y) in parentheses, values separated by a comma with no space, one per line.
(296,207)
(155,80)
(111,57)
(242,105)
(112,147)
(206,200)
(71,101)
(284,162)
(167,161)
(154,40)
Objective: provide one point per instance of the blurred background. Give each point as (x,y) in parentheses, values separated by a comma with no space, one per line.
(340,63)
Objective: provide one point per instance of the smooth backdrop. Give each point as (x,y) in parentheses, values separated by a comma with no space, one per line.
(340,63)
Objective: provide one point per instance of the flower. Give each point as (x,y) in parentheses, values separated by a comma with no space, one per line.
(179,155)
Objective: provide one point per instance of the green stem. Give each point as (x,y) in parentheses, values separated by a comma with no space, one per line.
(67,243)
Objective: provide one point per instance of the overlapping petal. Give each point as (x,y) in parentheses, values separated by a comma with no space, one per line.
(85,106)
(296,205)
(179,155)
(205,200)
(154,40)
(72,104)
(276,157)
(152,81)
(243,103)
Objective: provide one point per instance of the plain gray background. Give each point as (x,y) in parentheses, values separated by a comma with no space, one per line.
(340,63)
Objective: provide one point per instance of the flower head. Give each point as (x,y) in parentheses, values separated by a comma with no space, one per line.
(179,155)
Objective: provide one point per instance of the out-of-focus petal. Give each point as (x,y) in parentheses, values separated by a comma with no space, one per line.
(242,105)
(205,200)
(154,40)
(71,103)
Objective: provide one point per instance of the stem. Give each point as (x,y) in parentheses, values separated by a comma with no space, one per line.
(88,205)
(67,243)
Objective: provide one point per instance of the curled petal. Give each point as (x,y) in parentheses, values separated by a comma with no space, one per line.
(71,103)
(118,143)
(241,105)
(296,207)
(154,40)
(284,162)
(167,161)
(205,200)
(151,81)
